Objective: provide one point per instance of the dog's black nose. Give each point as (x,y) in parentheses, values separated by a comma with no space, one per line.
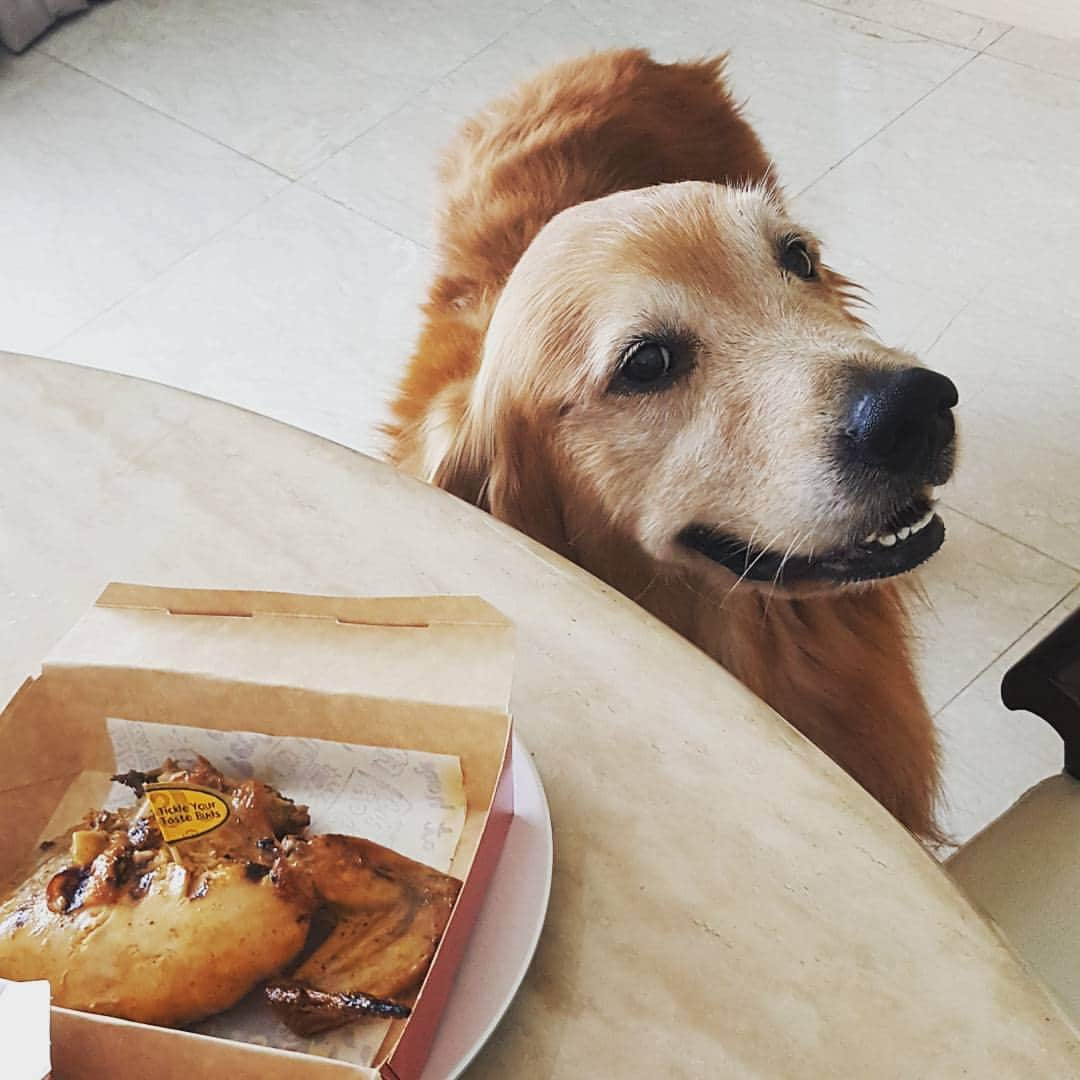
(901,421)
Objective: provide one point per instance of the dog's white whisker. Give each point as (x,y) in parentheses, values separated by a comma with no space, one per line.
(760,555)
(799,537)
(749,548)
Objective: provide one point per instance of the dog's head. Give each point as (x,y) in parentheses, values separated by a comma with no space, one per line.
(677,364)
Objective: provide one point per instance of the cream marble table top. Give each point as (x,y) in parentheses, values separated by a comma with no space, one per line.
(726,902)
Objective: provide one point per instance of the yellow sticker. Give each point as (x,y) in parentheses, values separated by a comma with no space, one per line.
(183,811)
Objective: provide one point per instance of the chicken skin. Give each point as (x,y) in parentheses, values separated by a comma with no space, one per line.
(387,914)
(124,921)
(120,923)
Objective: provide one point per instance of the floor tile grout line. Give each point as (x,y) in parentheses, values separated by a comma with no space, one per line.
(202,245)
(289,183)
(307,179)
(168,116)
(157,275)
(1008,536)
(885,127)
(421,89)
(1021,63)
(949,325)
(1031,67)
(312,190)
(1063,599)
(900,115)
(306,176)
(413,98)
(985,49)
(826,5)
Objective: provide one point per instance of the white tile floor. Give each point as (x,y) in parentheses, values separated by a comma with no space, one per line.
(236,199)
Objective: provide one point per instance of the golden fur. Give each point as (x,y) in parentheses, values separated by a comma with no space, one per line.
(607,194)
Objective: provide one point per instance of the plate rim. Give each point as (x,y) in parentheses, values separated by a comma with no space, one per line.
(529,951)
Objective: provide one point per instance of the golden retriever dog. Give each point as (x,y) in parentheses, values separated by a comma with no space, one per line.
(635,355)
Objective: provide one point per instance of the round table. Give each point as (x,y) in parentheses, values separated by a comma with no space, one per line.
(726,902)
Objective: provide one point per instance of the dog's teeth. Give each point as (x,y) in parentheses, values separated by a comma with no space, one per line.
(923,521)
(870,539)
(903,534)
(888,540)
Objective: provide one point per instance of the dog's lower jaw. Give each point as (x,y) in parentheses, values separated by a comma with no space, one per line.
(873,559)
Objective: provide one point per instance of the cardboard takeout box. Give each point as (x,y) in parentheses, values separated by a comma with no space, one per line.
(429,674)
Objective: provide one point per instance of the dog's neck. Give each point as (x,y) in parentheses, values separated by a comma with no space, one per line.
(835,665)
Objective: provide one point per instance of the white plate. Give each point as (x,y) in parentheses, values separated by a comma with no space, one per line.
(506,933)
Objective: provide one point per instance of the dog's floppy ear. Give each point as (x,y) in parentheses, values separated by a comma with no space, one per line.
(509,472)
(462,460)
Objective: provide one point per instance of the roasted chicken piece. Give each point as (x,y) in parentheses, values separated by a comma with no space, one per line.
(387,914)
(123,923)
(120,923)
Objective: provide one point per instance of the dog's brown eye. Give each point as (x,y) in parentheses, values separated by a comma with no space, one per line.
(796,259)
(646,362)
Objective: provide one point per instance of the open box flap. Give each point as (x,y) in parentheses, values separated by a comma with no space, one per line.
(360,646)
